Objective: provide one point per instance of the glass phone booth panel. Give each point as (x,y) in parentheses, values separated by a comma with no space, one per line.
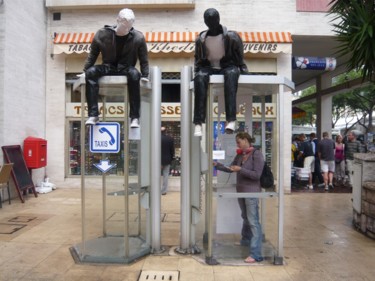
(223,217)
(227,224)
(115,203)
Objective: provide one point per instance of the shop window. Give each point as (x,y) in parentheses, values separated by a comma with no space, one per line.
(312,6)
(93,158)
(71,96)
(174,130)
(170,93)
(171,75)
(267,99)
(71,78)
(256,135)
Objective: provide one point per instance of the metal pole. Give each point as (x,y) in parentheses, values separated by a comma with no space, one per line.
(280,174)
(263,122)
(83,155)
(139,172)
(126,174)
(155,158)
(185,157)
(209,191)
(263,138)
(249,116)
(104,190)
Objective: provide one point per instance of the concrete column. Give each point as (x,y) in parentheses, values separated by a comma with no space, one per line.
(323,106)
(283,69)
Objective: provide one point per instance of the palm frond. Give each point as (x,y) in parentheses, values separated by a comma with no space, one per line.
(354,24)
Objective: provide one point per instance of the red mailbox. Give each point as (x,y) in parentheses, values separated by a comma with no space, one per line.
(35,152)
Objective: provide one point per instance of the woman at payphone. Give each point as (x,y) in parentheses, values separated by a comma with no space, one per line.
(248,164)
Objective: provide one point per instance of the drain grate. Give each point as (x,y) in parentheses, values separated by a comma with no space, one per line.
(10,228)
(22,219)
(151,275)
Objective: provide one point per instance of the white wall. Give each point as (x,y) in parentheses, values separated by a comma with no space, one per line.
(55,123)
(240,15)
(22,72)
(2,53)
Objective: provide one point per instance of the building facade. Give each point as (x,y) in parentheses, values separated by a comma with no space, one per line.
(51,52)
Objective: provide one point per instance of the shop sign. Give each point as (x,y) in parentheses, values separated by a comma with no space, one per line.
(169,110)
(71,48)
(178,47)
(265,48)
(174,47)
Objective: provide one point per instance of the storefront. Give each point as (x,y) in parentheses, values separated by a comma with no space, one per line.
(265,53)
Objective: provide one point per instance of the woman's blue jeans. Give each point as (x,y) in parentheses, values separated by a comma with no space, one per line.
(251,228)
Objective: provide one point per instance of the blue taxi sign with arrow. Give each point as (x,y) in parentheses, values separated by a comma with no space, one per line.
(105,137)
(104,166)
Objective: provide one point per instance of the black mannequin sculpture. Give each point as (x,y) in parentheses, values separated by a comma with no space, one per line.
(120,46)
(217,51)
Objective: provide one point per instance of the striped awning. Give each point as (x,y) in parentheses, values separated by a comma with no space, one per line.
(176,42)
(71,38)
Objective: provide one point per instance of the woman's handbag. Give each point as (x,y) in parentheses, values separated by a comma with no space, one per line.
(266,179)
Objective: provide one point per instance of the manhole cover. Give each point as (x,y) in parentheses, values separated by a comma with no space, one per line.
(148,275)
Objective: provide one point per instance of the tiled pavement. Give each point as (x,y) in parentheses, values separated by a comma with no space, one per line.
(319,243)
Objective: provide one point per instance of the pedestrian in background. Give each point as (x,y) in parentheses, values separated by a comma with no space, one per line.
(295,151)
(352,146)
(167,155)
(326,150)
(339,161)
(317,170)
(306,152)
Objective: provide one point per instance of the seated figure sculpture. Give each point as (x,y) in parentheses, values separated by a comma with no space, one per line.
(217,51)
(121,46)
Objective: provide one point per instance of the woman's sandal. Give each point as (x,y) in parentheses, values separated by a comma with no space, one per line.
(249,260)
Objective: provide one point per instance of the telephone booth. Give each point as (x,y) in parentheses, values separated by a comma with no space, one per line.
(222,218)
(116,225)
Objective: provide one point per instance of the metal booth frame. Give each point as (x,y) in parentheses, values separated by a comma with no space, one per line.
(148,191)
(255,85)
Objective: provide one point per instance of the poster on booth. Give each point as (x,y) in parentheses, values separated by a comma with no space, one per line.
(105,137)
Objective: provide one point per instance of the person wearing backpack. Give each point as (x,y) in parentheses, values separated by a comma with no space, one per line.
(306,152)
(317,174)
(326,150)
(248,164)
(167,156)
(296,161)
(351,146)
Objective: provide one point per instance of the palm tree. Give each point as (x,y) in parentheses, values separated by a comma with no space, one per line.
(354,23)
